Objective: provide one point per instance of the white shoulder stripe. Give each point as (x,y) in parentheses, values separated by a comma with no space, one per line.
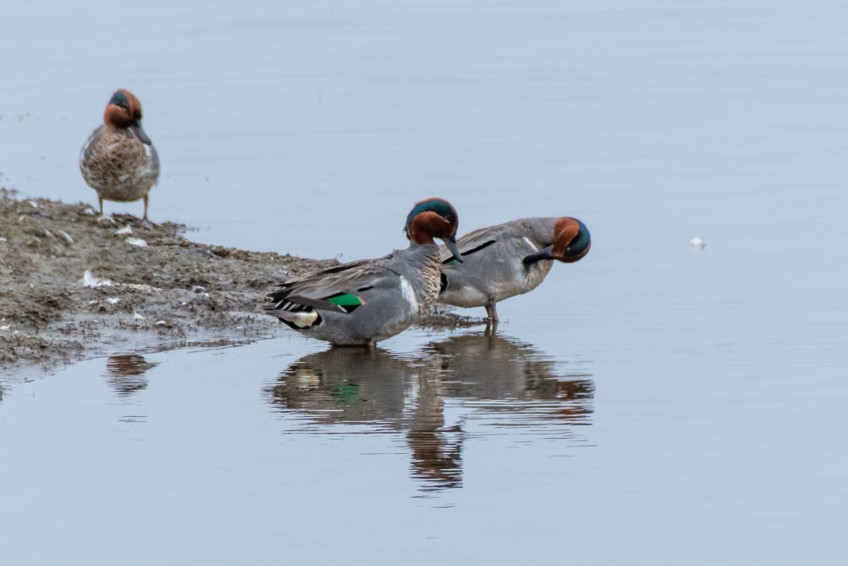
(530,244)
(408,293)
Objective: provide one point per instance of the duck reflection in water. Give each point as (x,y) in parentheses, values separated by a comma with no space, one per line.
(513,377)
(346,385)
(126,373)
(386,392)
(371,386)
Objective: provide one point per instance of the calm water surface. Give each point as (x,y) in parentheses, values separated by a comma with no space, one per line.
(649,404)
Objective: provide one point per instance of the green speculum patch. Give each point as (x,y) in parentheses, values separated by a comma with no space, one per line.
(347,302)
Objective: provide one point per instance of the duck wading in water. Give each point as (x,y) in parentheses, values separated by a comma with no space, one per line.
(509,259)
(362,302)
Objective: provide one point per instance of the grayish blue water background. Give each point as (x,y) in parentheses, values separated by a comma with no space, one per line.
(649,404)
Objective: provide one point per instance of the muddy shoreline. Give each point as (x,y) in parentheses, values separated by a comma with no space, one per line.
(74,285)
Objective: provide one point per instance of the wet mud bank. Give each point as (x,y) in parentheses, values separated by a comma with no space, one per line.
(75,285)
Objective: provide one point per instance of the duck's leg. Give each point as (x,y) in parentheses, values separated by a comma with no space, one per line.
(100,200)
(145,222)
(492,312)
(491,327)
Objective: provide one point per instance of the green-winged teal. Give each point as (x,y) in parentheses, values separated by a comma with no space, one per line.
(509,259)
(361,302)
(119,160)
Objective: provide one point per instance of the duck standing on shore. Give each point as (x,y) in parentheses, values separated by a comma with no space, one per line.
(509,259)
(361,302)
(119,160)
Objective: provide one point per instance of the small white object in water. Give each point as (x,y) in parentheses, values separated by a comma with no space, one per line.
(88,280)
(697,243)
(138,317)
(2,239)
(126,230)
(66,236)
(137,242)
(5,327)
(113,300)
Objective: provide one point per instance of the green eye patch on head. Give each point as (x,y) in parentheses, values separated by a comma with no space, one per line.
(438,206)
(120,99)
(582,240)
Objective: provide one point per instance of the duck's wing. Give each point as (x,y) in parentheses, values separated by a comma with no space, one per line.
(90,146)
(338,289)
(473,242)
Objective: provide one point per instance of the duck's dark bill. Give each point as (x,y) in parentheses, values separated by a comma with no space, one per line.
(140,134)
(451,244)
(543,254)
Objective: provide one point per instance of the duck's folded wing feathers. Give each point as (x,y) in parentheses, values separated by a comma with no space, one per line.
(472,242)
(331,289)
